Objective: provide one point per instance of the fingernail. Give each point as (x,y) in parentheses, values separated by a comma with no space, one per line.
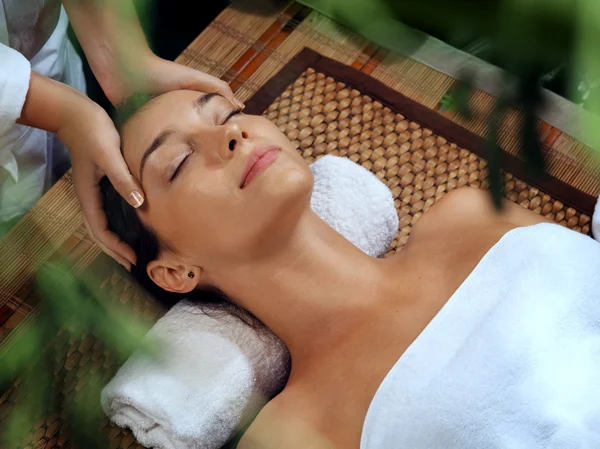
(136,199)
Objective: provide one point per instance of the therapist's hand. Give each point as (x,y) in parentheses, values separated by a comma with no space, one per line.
(114,43)
(157,75)
(94,145)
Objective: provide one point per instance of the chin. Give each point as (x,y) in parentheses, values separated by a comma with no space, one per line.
(281,199)
(290,184)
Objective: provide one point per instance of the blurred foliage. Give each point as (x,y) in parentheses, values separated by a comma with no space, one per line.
(538,43)
(72,307)
(530,39)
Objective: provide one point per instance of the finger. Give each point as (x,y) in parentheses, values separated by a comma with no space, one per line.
(108,241)
(119,259)
(120,177)
(209,83)
(224,89)
(123,262)
(228,93)
(89,195)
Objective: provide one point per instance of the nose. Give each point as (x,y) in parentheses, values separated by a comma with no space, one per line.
(234,138)
(221,142)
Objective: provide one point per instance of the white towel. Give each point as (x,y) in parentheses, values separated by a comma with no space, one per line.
(511,361)
(210,375)
(596,221)
(215,372)
(355,203)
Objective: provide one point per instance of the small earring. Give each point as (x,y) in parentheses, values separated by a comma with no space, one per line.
(191,275)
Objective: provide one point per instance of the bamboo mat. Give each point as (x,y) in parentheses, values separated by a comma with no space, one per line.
(329,109)
(325,107)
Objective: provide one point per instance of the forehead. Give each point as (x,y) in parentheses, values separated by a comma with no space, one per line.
(164,111)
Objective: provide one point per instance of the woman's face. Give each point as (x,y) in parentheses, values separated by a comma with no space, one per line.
(220,186)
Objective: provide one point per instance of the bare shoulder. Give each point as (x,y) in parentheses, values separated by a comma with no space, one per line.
(276,427)
(469,207)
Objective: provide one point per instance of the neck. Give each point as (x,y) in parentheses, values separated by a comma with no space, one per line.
(312,291)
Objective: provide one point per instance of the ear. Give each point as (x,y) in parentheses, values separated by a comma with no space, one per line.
(173,277)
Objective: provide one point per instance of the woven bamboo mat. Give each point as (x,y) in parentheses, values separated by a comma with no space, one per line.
(324,108)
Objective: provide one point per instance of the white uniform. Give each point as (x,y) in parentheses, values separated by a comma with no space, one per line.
(33,36)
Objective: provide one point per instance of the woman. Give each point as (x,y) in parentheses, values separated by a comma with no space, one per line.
(228,208)
(42,86)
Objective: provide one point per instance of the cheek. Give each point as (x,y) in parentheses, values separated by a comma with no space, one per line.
(290,179)
(198,215)
(208,207)
(278,202)
(220,227)
(266,130)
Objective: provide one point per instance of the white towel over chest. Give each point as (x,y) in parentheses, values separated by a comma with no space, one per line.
(511,361)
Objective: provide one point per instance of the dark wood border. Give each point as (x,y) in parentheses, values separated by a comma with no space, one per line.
(417,112)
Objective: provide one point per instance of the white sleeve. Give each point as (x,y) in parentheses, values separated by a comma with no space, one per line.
(15,72)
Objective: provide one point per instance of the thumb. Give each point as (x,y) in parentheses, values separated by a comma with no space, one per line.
(123,181)
(224,89)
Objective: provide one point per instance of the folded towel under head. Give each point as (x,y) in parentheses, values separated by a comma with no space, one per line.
(215,373)
(212,373)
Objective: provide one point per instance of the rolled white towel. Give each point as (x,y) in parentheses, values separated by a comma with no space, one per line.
(355,203)
(213,374)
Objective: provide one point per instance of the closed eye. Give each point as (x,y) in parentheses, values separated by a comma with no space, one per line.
(183,161)
(179,167)
(231,114)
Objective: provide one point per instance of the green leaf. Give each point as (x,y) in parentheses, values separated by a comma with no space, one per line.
(33,403)
(75,305)
(21,353)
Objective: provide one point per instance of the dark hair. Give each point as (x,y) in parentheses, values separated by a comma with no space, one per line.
(124,221)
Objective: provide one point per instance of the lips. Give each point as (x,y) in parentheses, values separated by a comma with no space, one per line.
(258,161)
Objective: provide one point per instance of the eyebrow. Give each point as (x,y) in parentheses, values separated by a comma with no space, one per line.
(200,103)
(155,145)
(203,100)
